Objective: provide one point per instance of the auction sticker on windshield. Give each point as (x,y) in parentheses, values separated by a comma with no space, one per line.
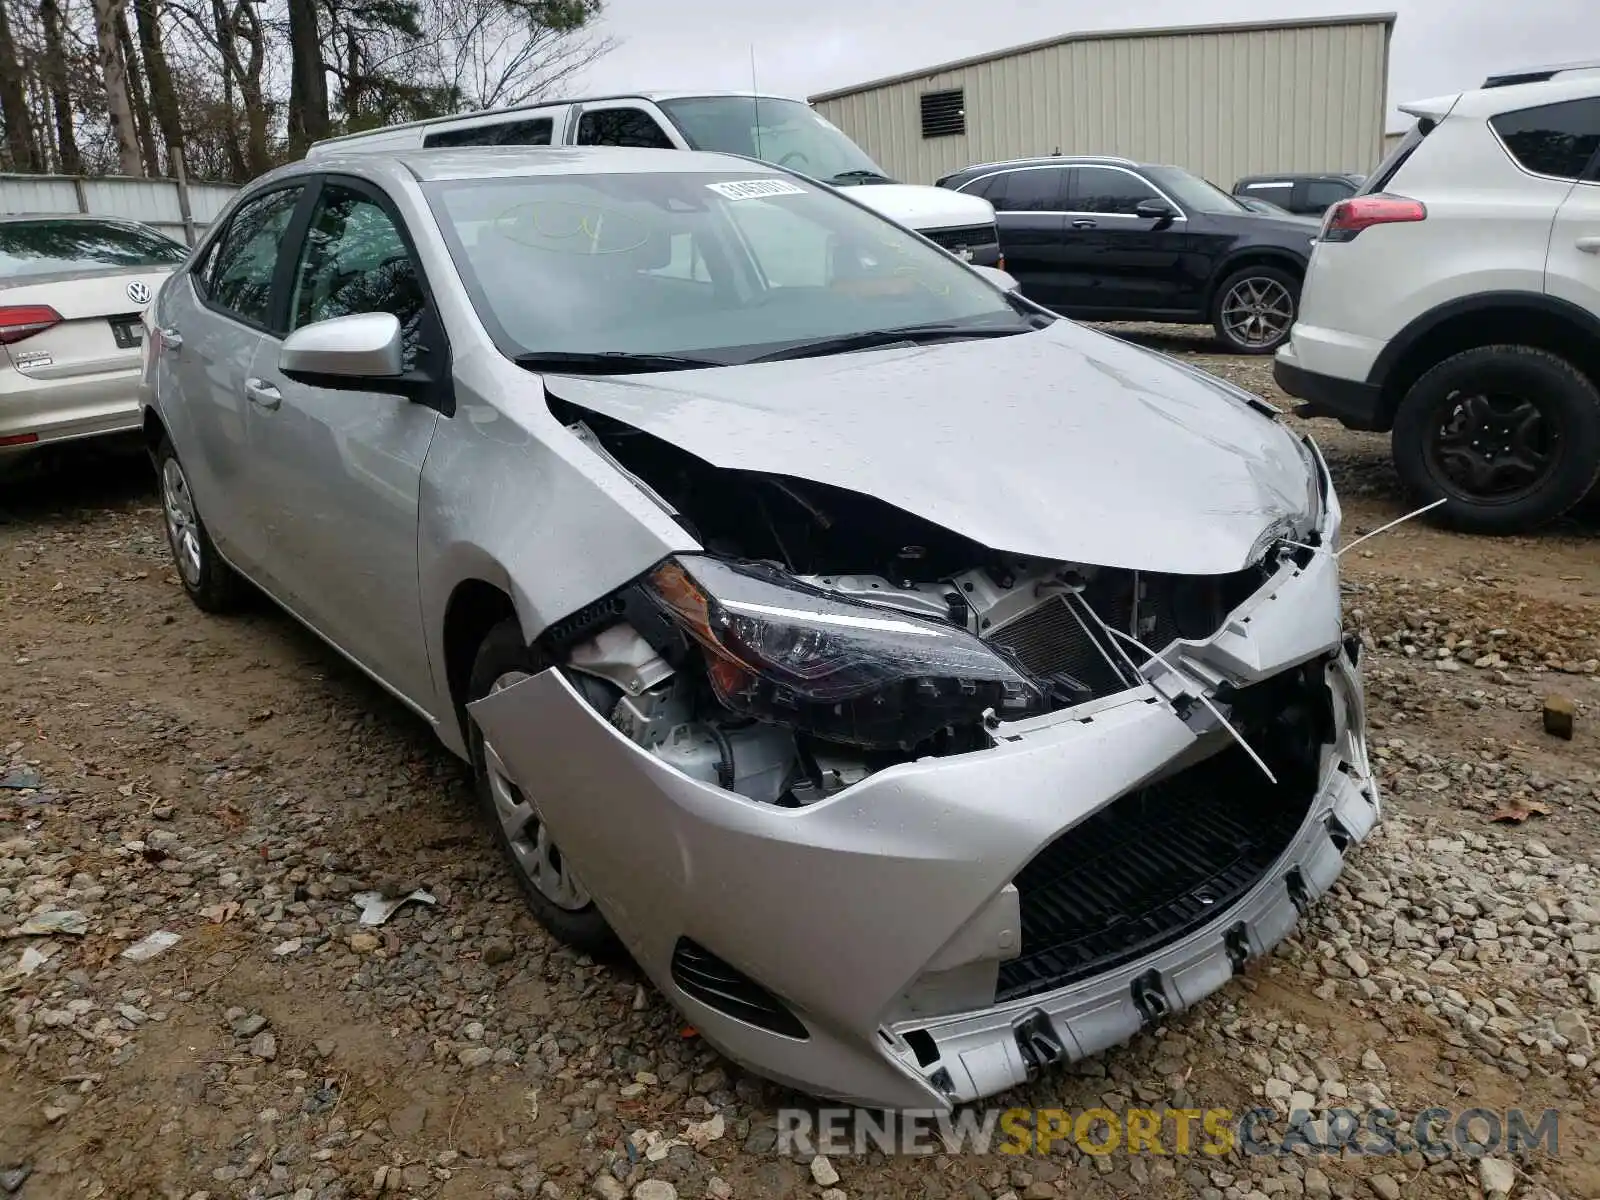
(751,189)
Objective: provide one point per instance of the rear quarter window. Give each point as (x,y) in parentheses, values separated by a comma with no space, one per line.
(1559,140)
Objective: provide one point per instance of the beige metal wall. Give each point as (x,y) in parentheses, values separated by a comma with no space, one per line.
(1222,103)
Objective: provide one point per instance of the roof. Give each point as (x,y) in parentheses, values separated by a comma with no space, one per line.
(655,97)
(1385,19)
(515,162)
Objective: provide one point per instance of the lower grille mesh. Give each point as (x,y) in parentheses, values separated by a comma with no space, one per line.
(716,984)
(1148,869)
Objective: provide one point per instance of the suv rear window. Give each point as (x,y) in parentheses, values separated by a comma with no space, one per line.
(1379,179)
(1559,140)
(40,247)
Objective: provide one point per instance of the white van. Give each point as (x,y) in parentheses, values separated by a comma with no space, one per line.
(775,129)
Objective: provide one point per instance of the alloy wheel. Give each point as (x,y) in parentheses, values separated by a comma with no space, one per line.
(1492,448)
(183,526)
(534,854)
(1257,311)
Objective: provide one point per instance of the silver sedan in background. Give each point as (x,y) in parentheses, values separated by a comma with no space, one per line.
(923,689)
(73,291)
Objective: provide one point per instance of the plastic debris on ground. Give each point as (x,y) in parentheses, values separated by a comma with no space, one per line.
(46,924)
(150,946)
(376,908)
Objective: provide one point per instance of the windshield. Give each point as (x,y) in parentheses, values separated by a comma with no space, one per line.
(47,246)
(709,265)
(1193,193)
(785,132)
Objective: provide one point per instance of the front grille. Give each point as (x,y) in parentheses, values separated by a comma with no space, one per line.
(1150,868)
(965,238)
(716,984)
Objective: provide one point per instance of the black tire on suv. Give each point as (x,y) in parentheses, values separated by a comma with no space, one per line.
(1509,436)
(1254,308)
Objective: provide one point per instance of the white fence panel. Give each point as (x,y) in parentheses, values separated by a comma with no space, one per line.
(158,202)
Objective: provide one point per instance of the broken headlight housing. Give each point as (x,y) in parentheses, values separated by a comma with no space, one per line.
(860,674)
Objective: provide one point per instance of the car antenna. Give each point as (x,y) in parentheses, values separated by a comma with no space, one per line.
(755,100)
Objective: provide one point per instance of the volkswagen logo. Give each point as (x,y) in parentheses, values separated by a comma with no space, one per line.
(139,292)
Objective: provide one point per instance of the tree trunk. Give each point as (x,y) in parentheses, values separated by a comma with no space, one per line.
(107,14)
(141,105)
(163,100)
(235,152)
(14,101)
(60,99)
(308,84)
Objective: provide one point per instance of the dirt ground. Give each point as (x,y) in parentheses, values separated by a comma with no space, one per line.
(234,782)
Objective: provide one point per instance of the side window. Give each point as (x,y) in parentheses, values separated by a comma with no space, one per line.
(621,127)
(508,133)
(247,254)
(1102,190)
(354,261)
(1320,193)
(1038,189)
(1553,139)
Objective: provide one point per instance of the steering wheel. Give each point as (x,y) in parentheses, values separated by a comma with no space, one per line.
(793,154)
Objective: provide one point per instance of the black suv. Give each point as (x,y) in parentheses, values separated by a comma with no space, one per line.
(1108,239)
(1306,195)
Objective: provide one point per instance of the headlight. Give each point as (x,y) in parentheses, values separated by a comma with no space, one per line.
(855,673)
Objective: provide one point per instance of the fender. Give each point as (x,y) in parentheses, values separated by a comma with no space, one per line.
(1269,252)
(1532,302)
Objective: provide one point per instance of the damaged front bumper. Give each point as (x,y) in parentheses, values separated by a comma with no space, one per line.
(878,947)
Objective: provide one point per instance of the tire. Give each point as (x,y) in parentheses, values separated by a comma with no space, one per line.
(212,584)
(1540,417)
(567,912)
(1276,305)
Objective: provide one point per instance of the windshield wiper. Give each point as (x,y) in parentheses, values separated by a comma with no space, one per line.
(859,176)
(876,338)
(608,362)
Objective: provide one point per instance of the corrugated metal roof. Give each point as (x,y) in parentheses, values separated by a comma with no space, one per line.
(1105,35)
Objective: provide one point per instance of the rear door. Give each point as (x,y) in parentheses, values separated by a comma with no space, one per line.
(339,471)
(211,325)
(1028,206)
(1570,134)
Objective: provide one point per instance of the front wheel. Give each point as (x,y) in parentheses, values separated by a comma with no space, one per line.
(1254,309)
(1509,436)
(212,584)
(548,881)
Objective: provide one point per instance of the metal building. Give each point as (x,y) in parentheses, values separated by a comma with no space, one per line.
(1221,100)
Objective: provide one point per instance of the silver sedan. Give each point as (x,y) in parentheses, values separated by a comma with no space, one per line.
(923,689)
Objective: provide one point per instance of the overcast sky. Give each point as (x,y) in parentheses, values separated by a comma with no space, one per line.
(808,46)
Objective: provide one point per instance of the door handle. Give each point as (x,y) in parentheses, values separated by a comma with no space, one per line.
(171,339)
(263,394)
(1589,245)
(1084,223)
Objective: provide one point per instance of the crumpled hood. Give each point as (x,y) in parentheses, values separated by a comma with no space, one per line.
(1060,444)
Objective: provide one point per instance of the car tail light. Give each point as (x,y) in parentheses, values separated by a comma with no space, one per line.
(18,321)
(1349,217)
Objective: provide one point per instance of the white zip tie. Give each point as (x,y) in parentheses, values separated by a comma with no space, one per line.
(1390,525)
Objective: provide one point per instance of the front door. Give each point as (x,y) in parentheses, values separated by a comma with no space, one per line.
(343,468)
(1121,262)
(1028,202)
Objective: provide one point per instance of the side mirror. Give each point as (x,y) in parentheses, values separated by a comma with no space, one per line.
(1156,210)
(361,351)
(1003,280)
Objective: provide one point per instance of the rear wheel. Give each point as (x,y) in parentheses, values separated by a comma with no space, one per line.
(212,584)
(1508,435)
(548,881)
(1254,308)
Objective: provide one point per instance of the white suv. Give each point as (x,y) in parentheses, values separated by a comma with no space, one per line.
(1456,301)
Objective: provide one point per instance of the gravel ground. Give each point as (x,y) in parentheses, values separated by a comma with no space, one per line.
(235,783)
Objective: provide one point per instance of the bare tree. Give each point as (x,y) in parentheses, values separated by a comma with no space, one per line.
(55,70)
(498,52)
(308,83)
(107,16)
(141,104)
(163,100)
(14,99)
